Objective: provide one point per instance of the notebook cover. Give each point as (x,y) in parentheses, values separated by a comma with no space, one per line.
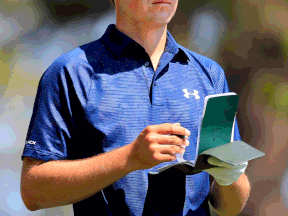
(217,123)
(234,153)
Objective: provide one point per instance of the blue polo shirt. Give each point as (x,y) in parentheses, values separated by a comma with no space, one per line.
(101,95)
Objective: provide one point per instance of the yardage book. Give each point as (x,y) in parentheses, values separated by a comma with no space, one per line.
(215,136)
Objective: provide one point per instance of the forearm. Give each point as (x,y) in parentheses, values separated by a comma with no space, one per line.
(230,200)
(58,183)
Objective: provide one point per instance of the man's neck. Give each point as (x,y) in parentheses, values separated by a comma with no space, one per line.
(153,40)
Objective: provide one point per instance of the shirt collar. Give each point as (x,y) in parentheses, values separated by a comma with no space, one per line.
(118,41)
(171,44)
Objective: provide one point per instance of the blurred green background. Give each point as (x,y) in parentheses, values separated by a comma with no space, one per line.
(248,38)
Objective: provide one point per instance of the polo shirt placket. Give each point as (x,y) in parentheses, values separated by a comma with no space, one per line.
(154,80)
(157,97)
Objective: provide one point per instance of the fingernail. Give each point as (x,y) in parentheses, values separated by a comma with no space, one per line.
(188,132)
(177,123)
(187,142)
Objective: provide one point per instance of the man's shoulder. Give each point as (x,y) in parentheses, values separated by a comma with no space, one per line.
(206,63)
(82,54)
(82,58)
(208,68)
(77,65)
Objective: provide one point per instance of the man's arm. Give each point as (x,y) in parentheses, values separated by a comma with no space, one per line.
(57,183)
(230,200)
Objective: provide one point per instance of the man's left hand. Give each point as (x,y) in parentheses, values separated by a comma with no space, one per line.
(225,174)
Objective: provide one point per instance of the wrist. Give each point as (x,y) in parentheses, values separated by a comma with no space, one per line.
(130,163)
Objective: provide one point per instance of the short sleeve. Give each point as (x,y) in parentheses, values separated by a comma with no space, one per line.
(58,108)
(48,132)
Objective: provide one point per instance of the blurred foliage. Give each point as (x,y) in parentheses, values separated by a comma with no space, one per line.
(281,97)
(63,11)
(189,7)
(268,90)
(5,71)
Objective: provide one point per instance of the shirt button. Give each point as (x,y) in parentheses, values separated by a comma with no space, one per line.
(146,64)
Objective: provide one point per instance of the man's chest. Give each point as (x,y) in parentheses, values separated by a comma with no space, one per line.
(122,104)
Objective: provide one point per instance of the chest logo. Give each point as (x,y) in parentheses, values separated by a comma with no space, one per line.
(195,93)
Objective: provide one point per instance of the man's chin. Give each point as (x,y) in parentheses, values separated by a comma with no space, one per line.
(160,19)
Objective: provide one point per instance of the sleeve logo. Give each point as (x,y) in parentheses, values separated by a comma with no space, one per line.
(30,142)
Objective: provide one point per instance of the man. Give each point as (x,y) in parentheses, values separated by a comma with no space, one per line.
(104,118)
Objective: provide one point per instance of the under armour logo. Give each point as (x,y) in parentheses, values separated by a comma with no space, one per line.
(194,94)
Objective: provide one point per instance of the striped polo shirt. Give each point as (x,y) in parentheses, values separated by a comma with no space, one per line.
(101,95)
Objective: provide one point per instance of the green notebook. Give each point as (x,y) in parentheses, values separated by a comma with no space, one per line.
(215,136)
(217,121)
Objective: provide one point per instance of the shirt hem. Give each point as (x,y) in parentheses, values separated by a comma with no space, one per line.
(40,154)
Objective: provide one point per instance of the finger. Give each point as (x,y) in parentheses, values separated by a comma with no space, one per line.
(181,136)
(170,149)
(226,180)
(168,128)
(223,171)
(172,140)
(216,162)
(165,157)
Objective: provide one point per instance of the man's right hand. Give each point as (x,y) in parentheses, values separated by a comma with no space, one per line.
(157,144)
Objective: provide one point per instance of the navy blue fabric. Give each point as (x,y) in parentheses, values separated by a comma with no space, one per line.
(101,95)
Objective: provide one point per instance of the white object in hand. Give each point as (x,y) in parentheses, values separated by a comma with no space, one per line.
(179,157)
